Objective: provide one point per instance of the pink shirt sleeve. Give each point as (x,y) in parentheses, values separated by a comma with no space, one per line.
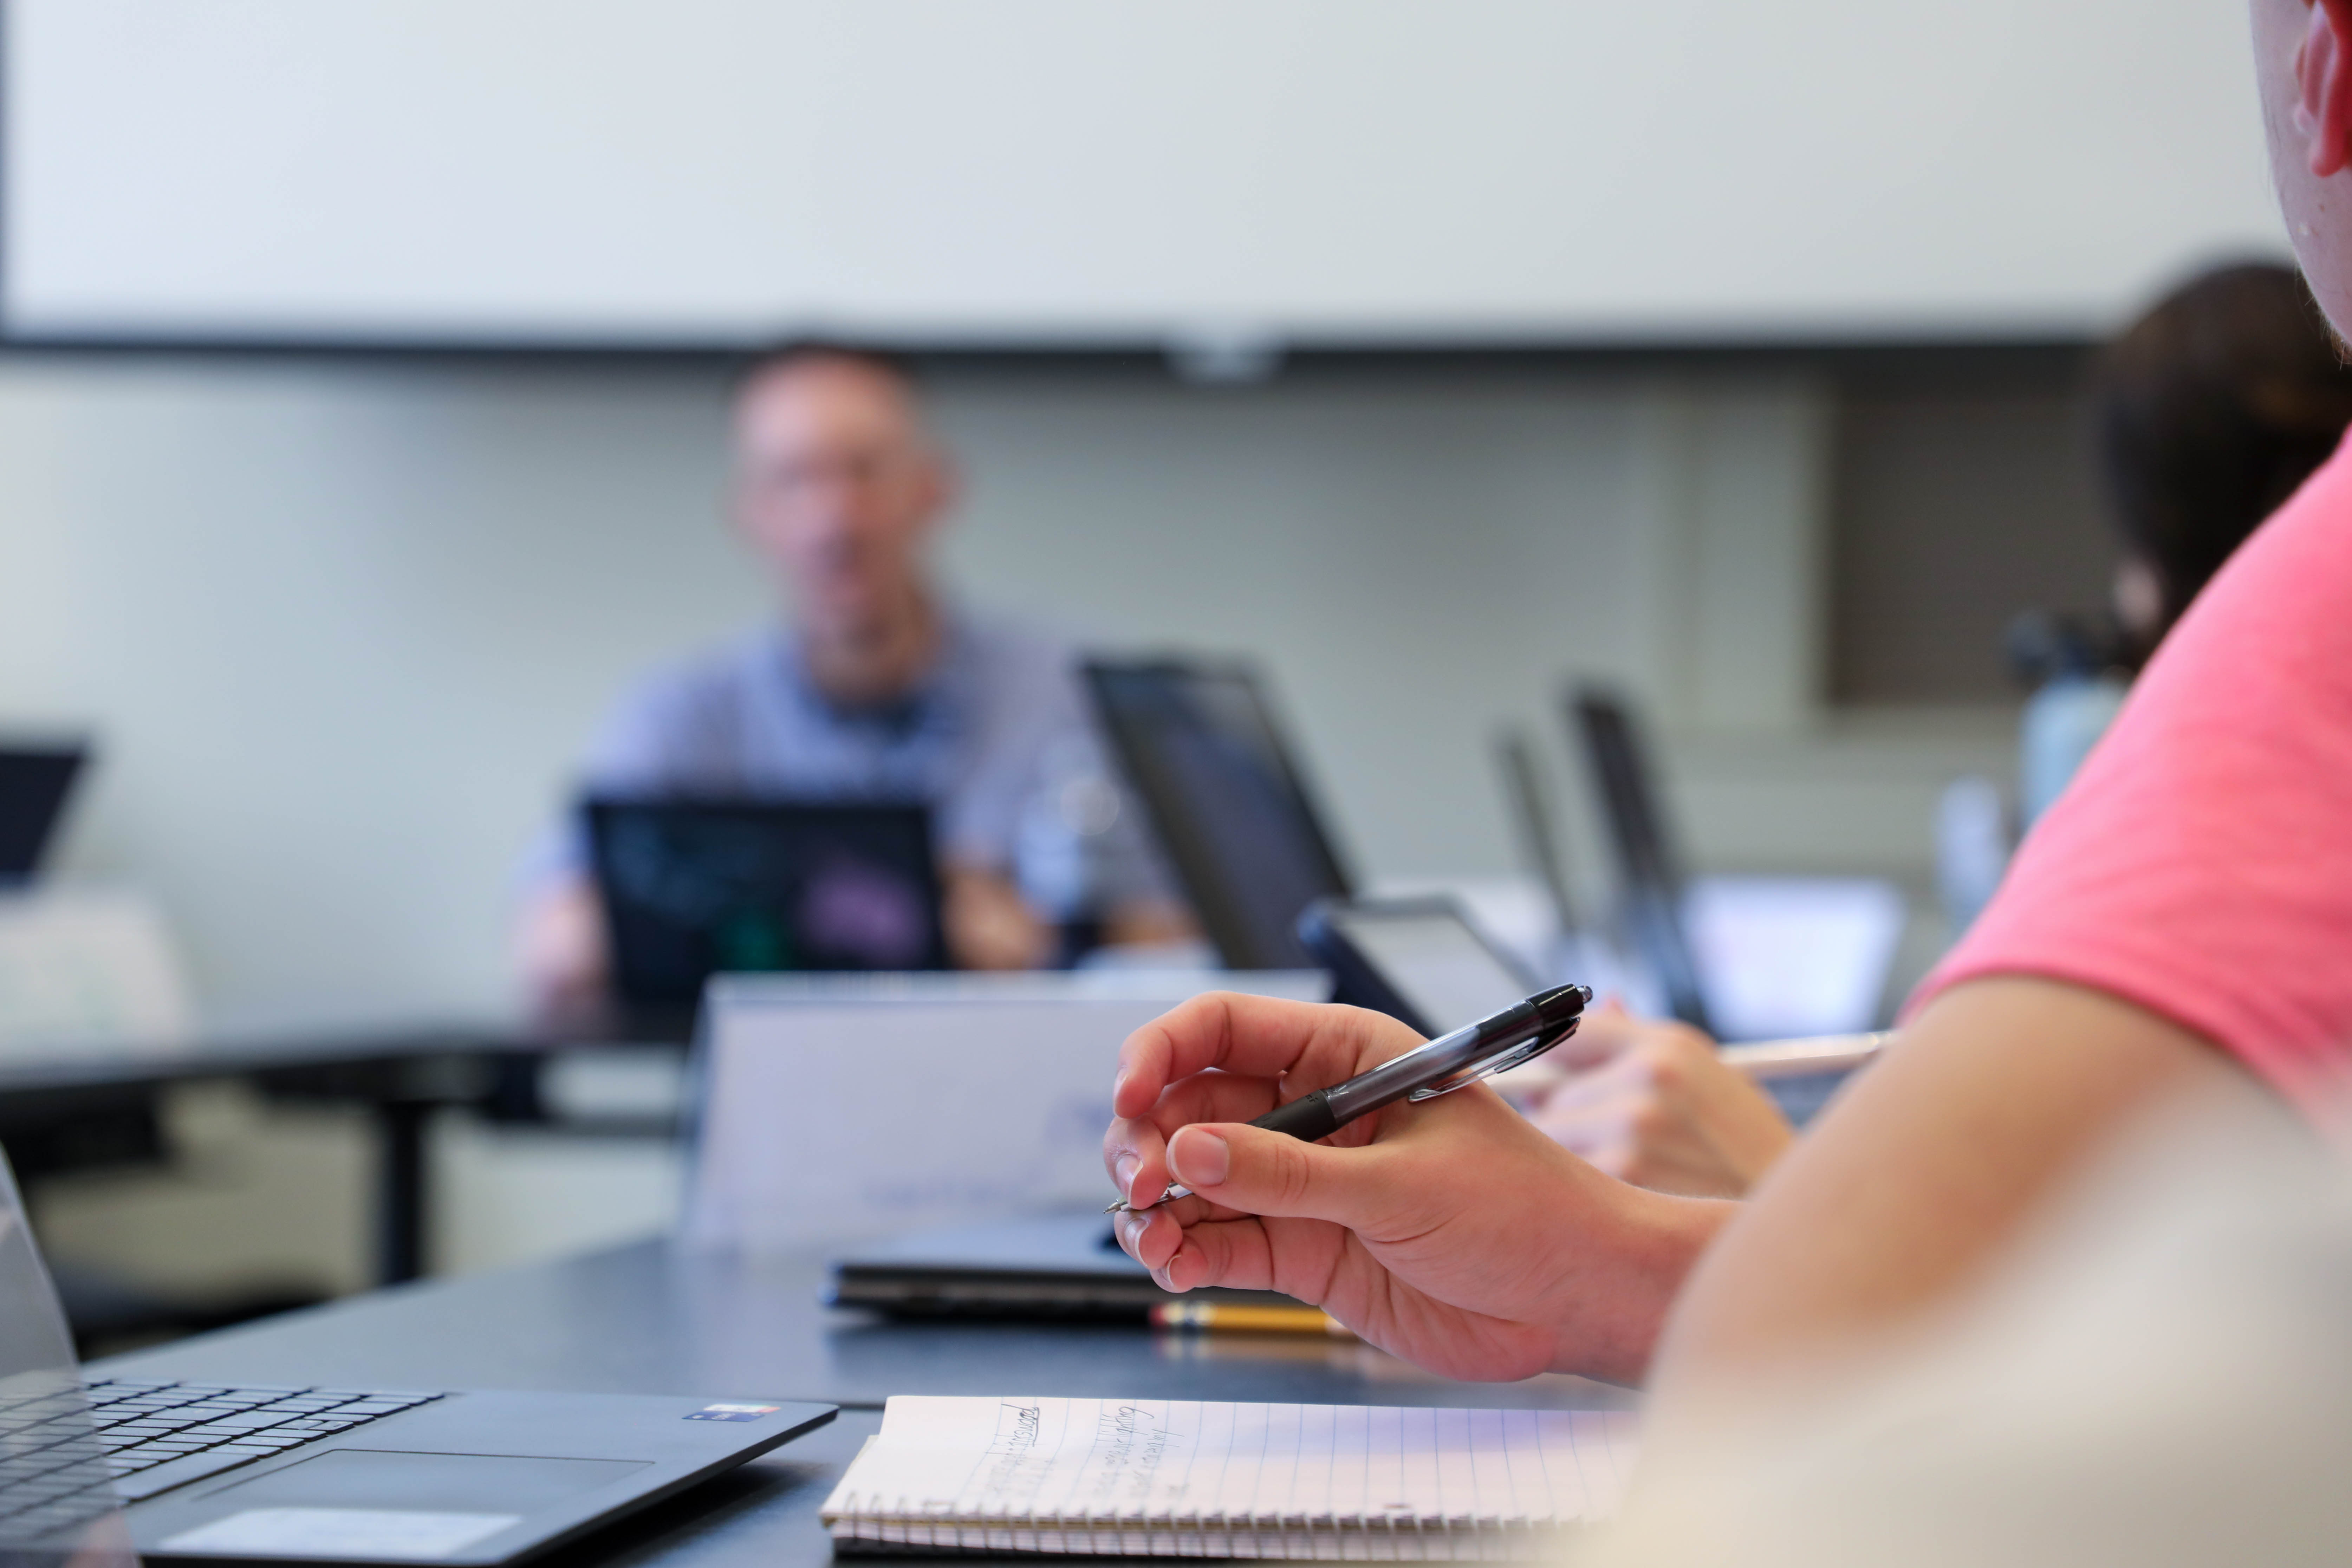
(2201,865)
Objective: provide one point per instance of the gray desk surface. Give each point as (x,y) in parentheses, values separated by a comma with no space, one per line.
(651,1319)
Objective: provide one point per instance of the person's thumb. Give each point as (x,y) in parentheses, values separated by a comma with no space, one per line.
(1258,1171)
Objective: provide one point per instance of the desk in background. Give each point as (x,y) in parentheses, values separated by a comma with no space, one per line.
(93,1104)
(653,1318)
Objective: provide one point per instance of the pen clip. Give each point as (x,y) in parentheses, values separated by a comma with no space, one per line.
(1516,1056)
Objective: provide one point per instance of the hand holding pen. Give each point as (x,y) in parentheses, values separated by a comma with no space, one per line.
(1450,1231)
(1518,1033)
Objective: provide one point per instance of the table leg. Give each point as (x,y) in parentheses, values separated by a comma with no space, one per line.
(401,1193)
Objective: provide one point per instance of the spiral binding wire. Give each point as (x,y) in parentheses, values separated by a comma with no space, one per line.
(876,1526)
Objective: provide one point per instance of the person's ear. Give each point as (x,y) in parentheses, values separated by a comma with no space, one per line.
(2323,112)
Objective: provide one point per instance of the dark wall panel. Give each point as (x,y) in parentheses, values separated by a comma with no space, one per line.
(1954,509)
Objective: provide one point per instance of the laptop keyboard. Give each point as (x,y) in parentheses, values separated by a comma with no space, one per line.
(52,1471)
(63,1459)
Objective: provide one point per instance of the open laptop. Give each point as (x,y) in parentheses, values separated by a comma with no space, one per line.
(34,783)
(940,1134)
(1199,742)
(1649,871)
(1423,961)
(1531,824)
(831,1110)
(283,1473)
(696,888)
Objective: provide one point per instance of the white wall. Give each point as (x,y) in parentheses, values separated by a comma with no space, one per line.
(336,629)
(339,627)
(1358,170)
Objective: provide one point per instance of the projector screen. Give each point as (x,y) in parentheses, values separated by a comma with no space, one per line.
(1108,173)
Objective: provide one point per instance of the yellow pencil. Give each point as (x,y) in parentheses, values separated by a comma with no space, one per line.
(1246,1320)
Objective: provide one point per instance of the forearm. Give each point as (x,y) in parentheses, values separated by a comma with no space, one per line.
(559,945)
(987,923)
(1148,922)
(1928,1168)
(1613,1312)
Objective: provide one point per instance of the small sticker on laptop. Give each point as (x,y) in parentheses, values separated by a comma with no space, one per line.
(733,1412)
(369,1534)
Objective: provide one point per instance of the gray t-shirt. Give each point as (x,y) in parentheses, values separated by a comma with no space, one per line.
(997,740)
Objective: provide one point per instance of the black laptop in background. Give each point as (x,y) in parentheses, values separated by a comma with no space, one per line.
(696,888)
(34,782)
(1199,744)
(1650,876)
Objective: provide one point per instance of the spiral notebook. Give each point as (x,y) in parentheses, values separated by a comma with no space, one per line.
(1155,1478)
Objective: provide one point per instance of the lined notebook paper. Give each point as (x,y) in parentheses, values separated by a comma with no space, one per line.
(1174,1478)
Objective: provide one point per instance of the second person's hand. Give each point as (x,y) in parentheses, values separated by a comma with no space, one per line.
(1450,1233)
(1661,1109)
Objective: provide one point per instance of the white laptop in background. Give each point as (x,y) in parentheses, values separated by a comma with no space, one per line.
(841,1108)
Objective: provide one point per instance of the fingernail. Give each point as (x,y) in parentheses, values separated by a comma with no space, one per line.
(1205,1159)
(1123,1172)
(1118,1084)
(1168,1275)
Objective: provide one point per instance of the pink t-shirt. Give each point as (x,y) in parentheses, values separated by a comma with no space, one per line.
(2201,864)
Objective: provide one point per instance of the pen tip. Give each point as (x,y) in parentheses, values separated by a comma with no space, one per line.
(1114,1208)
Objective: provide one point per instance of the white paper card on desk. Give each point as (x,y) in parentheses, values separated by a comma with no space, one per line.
(1155,1478)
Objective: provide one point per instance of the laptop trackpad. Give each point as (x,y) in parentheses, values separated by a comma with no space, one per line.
(365,1477)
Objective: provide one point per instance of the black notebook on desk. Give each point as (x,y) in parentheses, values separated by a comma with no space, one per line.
(1063,1266)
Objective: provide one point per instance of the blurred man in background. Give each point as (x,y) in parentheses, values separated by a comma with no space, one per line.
(881,687)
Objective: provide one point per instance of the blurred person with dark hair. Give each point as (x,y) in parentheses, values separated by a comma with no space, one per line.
(2210,410)
(881,687)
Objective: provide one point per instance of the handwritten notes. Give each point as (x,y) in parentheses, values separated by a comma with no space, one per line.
(1168,1477)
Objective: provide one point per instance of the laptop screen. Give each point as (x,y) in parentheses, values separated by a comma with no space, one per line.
(692,889)
(1443,969)
(1203,750)
(56,1491)
(34,783)
(1651,876)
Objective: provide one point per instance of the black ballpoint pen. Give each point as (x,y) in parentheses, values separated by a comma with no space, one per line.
(1519,1033)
